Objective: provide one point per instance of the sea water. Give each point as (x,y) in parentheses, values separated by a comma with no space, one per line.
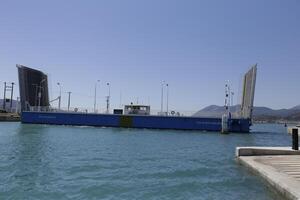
(67,162)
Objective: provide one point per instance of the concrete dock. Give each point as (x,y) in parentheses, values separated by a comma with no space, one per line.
(278,166)
(9,117)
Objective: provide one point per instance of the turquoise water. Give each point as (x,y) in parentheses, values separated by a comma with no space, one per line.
(64,162)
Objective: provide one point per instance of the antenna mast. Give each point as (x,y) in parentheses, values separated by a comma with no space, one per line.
(227,97)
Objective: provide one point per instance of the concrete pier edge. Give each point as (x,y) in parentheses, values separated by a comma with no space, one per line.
(286,186)
(265,151)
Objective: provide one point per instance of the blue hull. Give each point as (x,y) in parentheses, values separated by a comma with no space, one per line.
(134,121)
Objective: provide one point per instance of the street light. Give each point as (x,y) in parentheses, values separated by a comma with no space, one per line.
(108,84)
(40,93)
(11,95)
(95,97)
(108,98)
(59,98)
(162,97)
(167,85)
(69,100)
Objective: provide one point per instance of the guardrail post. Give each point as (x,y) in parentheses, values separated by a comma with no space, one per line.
(295,139)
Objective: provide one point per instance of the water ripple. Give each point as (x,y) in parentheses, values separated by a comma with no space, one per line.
(64,162)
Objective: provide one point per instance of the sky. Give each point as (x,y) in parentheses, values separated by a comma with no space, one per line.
(193,45)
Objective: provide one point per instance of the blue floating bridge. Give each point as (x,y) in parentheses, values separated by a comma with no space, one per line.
(135,116)
(135,121)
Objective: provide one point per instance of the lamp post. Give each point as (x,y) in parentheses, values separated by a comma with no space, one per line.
(167,85)
(40,93)
(59,98)
(108,98)
(11,95)
(4,96)
(95,97)
(69,100)
(162,98)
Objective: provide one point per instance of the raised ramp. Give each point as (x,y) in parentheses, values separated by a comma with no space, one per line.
(33,86)
(248,93)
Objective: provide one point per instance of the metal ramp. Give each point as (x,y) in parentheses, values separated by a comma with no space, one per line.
(248,93)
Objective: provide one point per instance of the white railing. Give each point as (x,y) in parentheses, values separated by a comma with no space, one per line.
(104,111)
(54,109)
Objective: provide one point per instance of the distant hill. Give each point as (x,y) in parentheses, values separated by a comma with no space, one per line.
(294,117)
(215,111)
(296,107)
(259,113)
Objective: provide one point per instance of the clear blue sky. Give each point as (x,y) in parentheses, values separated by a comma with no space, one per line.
(134,44)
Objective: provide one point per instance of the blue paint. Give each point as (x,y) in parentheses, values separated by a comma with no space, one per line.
(138,121)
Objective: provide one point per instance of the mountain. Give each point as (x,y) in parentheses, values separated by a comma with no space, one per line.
(259,113)
(294,117)
(215,111)
(296,107)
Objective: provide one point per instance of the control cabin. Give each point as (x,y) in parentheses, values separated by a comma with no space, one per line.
(136,110)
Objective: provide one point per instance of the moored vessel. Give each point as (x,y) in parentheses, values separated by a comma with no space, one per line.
(38,110)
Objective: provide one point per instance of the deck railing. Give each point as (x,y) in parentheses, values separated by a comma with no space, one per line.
(103,111)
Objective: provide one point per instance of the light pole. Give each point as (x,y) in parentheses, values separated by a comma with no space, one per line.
(69,100)
(227,97)
(40,93)
(167,85)
(4,96)
(108,98)
(59,98)
(95,97)
(11,95)
(162,97)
